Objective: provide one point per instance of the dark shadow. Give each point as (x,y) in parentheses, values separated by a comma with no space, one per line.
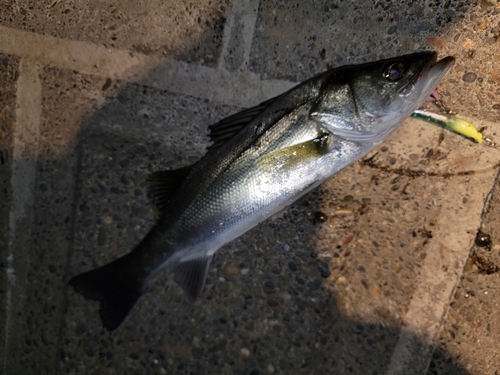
(267,303)
(267,306)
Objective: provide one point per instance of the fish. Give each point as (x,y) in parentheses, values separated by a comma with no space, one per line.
(262,159)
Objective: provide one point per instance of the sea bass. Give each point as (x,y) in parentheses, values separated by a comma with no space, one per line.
(261,161)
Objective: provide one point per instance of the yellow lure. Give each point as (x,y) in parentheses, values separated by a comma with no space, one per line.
(452,123)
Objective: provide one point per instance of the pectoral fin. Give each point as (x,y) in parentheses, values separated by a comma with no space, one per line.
(191,275)
(290,157)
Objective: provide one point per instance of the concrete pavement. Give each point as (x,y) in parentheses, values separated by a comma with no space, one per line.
(95,96)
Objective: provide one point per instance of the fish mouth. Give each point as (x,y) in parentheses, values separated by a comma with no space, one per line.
(431,73)
(436,72)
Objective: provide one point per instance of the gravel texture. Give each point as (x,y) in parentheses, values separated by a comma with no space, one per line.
(390,267)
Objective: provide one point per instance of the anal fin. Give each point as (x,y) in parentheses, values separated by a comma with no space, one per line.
(192,275)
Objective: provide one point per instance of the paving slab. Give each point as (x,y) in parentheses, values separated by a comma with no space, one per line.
(25,137)
(339,33)
(190,31)
(471,328)
(53,165)
(8,95)
(295,40)
(374,272)
(294,288)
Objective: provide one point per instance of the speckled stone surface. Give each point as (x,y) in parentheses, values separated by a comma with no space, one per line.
(8,79)
(360,270)
(339,33)
(295,40)
(473,86)
(333,274)
(340,263)
(66,101)
(471,329)
(189,31)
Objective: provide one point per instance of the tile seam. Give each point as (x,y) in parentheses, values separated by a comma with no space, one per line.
(25,152)
(244,10)
(420,311)
(243,88)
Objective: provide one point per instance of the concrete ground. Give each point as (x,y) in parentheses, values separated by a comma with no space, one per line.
(389,267)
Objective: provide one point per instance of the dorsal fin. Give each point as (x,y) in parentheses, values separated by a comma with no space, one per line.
(191,275)
(163,185)
(226,128)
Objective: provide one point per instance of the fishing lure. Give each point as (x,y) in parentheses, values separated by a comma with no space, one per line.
(452,123)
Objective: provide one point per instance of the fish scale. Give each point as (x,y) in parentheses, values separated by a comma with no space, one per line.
(231,192)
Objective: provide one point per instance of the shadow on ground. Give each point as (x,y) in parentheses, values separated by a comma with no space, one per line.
(267,306)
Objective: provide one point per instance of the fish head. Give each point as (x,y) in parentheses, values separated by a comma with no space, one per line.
(367,102)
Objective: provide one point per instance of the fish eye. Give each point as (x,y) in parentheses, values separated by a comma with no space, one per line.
(394,72)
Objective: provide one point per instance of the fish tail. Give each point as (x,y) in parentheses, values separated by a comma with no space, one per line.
(115,286)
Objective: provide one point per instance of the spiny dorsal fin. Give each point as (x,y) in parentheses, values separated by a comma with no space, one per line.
(163,185)
(191,276)
(226,128)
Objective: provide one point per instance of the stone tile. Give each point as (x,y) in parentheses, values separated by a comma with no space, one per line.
(340,33)
(190,31)
(9,74)
(279,297)
(137,131)
(67,98)
(9,70)
(297,40)
(324,288)
(473,87)
(471,328)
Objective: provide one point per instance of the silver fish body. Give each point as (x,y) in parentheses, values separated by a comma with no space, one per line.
(262,160)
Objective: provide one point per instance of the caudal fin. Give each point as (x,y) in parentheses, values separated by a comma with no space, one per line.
(116,290)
